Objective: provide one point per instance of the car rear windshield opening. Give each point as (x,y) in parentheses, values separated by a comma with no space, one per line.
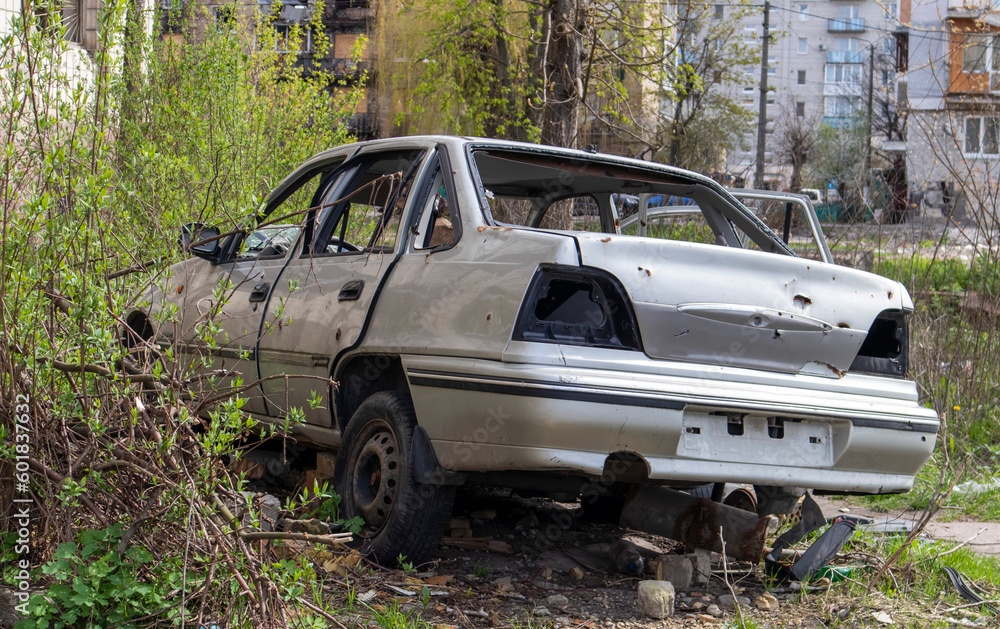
(560,192)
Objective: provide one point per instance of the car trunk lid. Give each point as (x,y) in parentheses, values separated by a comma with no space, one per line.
(728,306)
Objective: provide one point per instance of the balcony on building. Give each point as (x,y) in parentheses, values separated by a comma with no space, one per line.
(971,8)
(840,122)
(347,12)
(845,56)
(846,25)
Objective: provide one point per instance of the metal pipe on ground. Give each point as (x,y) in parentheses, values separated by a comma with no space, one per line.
(695,522)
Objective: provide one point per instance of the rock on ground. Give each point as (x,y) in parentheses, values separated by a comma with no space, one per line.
(728,601)
(656,598)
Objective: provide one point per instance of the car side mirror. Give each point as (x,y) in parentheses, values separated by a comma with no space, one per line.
(200,240)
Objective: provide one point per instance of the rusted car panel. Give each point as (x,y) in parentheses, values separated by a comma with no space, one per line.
(482,314)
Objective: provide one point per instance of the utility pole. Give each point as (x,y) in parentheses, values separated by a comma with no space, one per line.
(758,179)
(868,130)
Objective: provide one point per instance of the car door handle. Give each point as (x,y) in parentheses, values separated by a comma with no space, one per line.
(259,292)
(351,290)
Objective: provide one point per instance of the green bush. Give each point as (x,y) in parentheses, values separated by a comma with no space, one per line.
(96,585)
(100,171)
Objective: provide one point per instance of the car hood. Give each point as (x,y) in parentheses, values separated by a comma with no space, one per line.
(737,307)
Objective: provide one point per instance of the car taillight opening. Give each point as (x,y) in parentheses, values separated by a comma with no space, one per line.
(886,348)
(577,306)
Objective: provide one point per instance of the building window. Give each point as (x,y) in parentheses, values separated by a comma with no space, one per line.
(720,11)
(981,54)
(803,45)
(292,38)
(840,106)
(225,17)
(847,44)
(748,89)
(803,12)
(843,73)
(891,10)
(802,77)
(981,135)
(800,109)
(847,11)
(772,65)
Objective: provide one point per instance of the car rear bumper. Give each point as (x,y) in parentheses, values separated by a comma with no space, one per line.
(561,409)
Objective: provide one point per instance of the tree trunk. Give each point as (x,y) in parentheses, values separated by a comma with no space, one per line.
(562,62)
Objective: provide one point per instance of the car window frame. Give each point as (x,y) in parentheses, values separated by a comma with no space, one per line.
(438,162)
(726,214)
(360,163)
(278,195)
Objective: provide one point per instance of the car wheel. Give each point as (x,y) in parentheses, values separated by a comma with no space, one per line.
(375,479)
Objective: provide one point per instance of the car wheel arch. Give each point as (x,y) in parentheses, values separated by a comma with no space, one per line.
(138,329)
(360,376)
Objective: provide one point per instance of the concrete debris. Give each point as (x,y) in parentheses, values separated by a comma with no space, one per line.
(677,569)
(714,610)
(656,599)
(269,508)
(541,611)
(576,573)
(766,602)
(701,564)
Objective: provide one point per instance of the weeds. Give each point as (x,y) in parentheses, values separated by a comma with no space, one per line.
(134,519)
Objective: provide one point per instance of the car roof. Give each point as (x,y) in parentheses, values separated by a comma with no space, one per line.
(461,142)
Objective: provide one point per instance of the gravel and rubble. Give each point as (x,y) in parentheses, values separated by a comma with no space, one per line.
(559,574)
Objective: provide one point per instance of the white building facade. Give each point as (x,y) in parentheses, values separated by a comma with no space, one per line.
(817,69)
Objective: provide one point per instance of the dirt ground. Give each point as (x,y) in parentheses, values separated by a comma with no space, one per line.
(556,572)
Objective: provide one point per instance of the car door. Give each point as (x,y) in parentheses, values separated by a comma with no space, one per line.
(221,306)
(319,307)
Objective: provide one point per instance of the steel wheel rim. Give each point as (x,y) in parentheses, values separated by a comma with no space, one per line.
(378,475)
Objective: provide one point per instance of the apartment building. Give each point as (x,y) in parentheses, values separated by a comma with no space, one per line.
(343,23)
(817,67)
(952,78)
(80,19)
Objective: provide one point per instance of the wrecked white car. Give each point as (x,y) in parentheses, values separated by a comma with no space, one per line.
(485,321)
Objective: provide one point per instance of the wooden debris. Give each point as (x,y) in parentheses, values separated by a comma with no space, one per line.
(251,469)
(479,543)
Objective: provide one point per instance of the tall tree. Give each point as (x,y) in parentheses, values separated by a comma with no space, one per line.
(710,60)
(796,139)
